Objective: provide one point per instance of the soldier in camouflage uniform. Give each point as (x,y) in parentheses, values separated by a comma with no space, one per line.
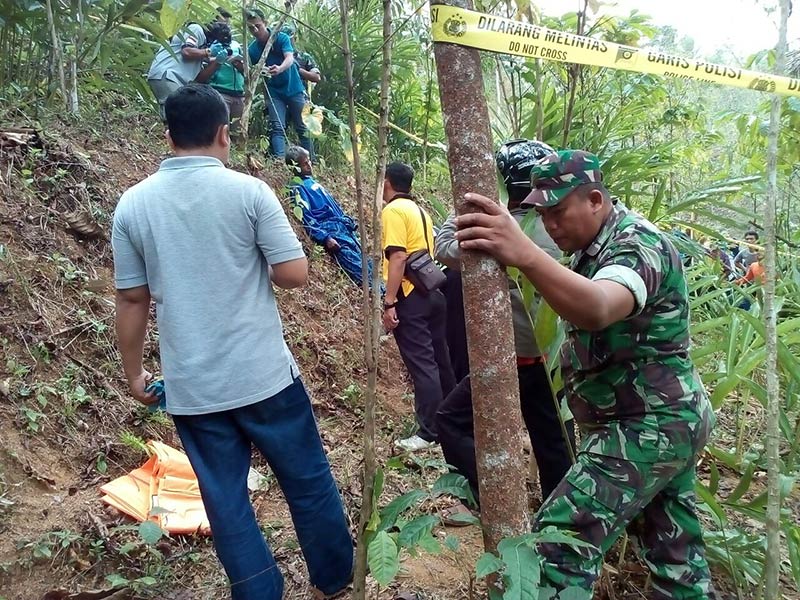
(630,383)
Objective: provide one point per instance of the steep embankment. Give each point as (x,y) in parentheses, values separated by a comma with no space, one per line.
(66,423)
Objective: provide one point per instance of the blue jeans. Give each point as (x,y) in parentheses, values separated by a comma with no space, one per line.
(284,430)
(277,109)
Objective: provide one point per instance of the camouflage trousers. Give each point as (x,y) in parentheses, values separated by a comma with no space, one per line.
(635,481)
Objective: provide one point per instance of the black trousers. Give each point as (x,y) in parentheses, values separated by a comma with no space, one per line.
(456,429)
(456,327)
(421,339)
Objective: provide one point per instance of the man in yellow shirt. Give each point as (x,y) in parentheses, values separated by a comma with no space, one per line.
(416,319)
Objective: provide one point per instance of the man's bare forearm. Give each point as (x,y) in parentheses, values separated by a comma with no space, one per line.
(131,328)
(397,267)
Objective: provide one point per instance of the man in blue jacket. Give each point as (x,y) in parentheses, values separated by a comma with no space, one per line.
(323,218)
(285,92)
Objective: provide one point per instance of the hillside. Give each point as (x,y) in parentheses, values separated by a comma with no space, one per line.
(66,421)
(68,426)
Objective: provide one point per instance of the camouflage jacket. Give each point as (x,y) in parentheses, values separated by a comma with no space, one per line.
(637,370)
(305,61)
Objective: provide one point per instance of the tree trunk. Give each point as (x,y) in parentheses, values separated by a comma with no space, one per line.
(77,42)
(371,309)
(426,126)
(575,72)
(495,388)
(58,57)
(771,588)
(254,75)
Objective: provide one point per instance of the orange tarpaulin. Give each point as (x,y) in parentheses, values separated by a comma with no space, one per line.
(163,490)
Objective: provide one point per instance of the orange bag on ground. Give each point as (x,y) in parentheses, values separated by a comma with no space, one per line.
(165,482)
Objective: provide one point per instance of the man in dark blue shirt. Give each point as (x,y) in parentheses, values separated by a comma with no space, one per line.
(285,93)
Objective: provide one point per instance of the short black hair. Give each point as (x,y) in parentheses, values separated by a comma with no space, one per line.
(586,188)
(223,13)
(255,13)
(219,32)
(751,232)
(195,112)
(294,154)
(401,176)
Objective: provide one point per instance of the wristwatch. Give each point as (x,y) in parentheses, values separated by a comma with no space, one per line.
(387,306)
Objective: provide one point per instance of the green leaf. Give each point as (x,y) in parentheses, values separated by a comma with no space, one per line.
(398,506)
(298,213)
(116,580)
(726,458)
(487,564)
(377,488)
(396,463)
(414,530)
(743,485)
(374,519)
(173,14)
(523,569)
(430,544)
(464,517)
(708,498)
(128,547)
(713,484)
(455,485)
(452,543)
(792,533)
(552,535)
(572,593)
(383,558)
(150,532)
(101,464)
(147,581)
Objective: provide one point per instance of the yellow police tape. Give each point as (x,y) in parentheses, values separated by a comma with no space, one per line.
(506,36)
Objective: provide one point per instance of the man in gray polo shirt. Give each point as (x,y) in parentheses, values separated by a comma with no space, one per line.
(207,244)
(180,64)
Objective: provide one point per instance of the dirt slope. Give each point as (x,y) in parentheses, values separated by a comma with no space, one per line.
(66,423)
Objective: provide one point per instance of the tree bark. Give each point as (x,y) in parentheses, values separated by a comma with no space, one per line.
(58,56)
(574,71)
(371,302)
(771,586)
(495,388)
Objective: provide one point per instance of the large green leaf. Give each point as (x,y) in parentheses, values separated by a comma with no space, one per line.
(413,531)
(522,569)
(150,532)
(383,558)
(173,14)
(487,564)
(708,499)
(455,485)
(398,506)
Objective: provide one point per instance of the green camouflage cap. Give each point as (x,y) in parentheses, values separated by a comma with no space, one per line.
(556,175)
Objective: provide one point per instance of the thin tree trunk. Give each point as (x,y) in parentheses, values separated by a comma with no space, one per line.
(495,387)
(58,58)
(575,72)
(254,75)
(426,127)
(772,571)
(371,310)
(77,43)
